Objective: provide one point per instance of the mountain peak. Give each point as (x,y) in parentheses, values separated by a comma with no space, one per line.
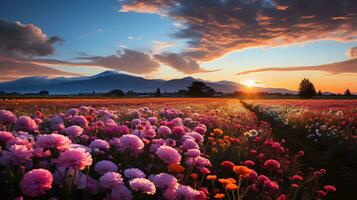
(106,74)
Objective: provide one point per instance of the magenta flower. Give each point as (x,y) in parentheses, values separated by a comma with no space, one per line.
(134,173)
(190,144)
(36,182)
(72,111)
(25,123)
(168,154)
(142,185)
(57,141)
(105,166)
(330,188)
(7,117)
(74,158)
(164,130)
(110,180)
(193,153)
(271,186)
(80,121)
(6,137)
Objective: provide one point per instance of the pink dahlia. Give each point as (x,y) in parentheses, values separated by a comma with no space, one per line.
(186,192)
(36,182)
(110,180)
(330,188)
(198,137)
(79,120)
(271,186)
(142,185)
(72,111)
(272,164)
(179,130)
(105,166)
(74,131)
(57,141)
(131,143)
(16,155)
(7,117)
(99,144)
(164,130)
(193,153)
(168,154)
(134,173)
(190,144)
(25,123)
(76,158)
(116,130)
(163,180)
(6,137)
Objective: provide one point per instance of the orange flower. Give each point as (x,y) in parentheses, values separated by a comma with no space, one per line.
(217,131)
(231,186)
(176,168)
(219,196)
(241,170)
(214,150)
(226,181)
(211,177)
(211,139)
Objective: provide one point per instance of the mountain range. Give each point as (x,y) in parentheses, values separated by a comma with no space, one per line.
(110,80)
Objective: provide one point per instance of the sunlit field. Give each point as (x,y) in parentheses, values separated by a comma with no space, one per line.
(170,148)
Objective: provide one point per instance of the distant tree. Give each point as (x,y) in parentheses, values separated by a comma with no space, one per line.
(118,93)
(43,92)
(347,93)
(306,89)
(199,89)
(319,93)
(182,92)
(158,93)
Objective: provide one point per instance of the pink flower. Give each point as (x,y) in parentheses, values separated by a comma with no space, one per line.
(202,162)
(272,164)
(164,130)
(193,153)
(200,129)
(121,193)
(198,137)
(76,158)
(36,182)
(74,131)
(99,144)
(131,143)
(72,111)
(134,173)
(57,123)
(186,192)
(105,166)
(79,120)
(116,130)
(57,141)
(25,123)
(249,163)
(7,117)
(178,130)
(301,153)
(262,178)
(142,185)
(163,180)
(271,186)
(170,193)
(297,178)
(330,188)
(16,155)
(6,137)
(190,144)
(168,154)
(111,179)
(282,197)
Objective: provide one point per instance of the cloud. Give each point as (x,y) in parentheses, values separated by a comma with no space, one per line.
(181,63)
(348,66)
(352,52)
(159,46)
(17,39)
(126,60)
(11,69)
(215,28)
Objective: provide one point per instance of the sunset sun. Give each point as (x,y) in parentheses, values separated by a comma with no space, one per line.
(250,83)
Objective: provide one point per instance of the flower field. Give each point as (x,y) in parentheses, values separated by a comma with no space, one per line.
(169,149)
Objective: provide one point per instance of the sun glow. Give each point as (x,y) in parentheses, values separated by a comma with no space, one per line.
(250,83)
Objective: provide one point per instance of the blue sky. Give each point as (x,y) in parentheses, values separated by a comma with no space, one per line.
(97,28)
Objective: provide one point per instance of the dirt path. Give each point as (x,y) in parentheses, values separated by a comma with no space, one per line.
(339,173)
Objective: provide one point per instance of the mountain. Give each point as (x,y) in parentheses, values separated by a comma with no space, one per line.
(110,80)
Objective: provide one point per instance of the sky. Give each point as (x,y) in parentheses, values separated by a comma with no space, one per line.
(267,43)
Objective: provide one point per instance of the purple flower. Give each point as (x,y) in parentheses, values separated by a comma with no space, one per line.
(190,144)
(99,144)
(164,130)
(16,155)
(74,131)
(134,173)
(142,185)
(163,180)
(193,153)
(131,143)
(6,137)
(105,166)
(79,120)
(57,141)
(121,192)
(72,111)
(168,154)
(186,192)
